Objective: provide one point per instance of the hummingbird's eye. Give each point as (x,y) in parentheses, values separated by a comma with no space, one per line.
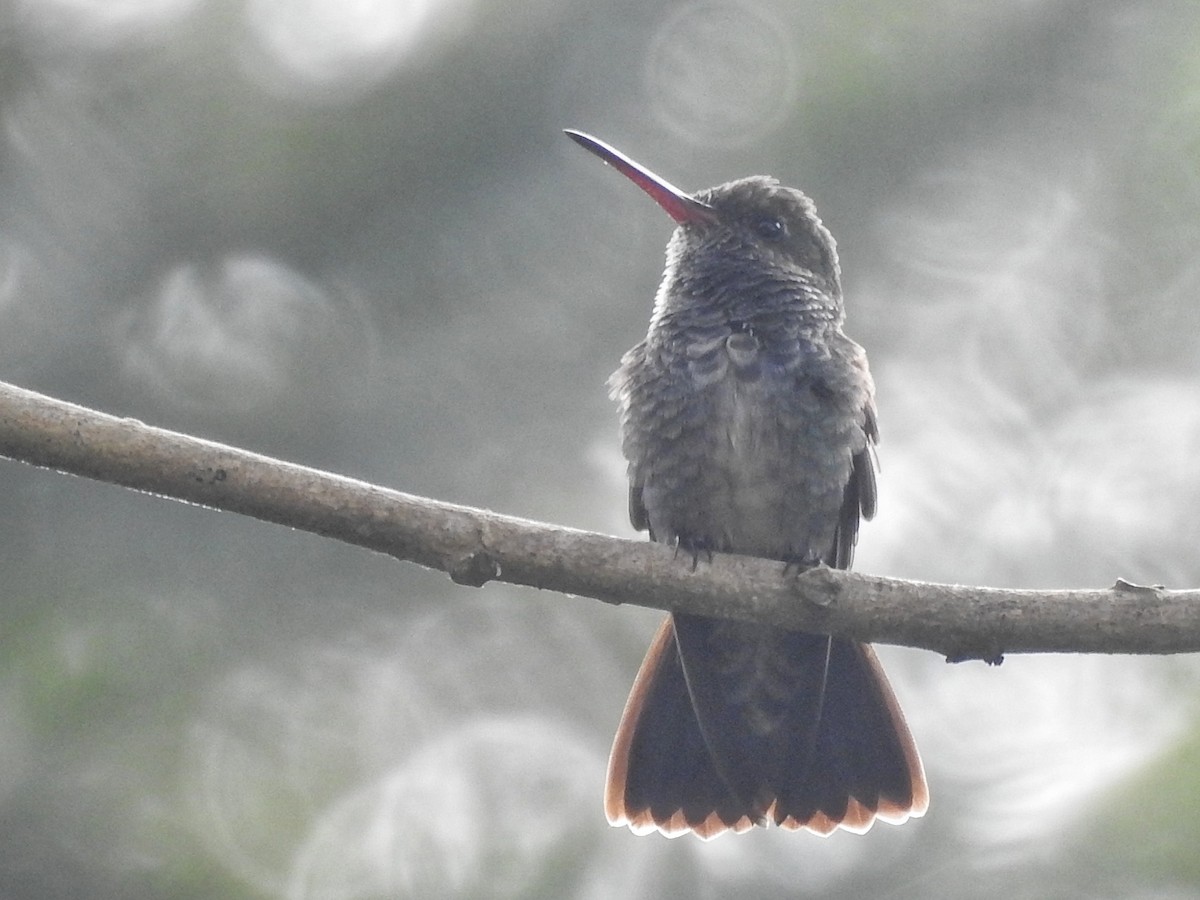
(769,228)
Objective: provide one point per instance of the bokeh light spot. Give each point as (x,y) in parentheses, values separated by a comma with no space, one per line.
(721,73)
(237,335)
(334,49)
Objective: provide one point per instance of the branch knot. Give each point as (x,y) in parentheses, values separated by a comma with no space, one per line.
(474,570)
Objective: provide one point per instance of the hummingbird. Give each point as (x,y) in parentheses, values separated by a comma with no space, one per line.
(748,424)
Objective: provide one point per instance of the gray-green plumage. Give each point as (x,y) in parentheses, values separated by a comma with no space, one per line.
(748,422)
(746,411)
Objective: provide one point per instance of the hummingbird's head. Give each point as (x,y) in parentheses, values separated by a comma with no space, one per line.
(759,223)
(739,236)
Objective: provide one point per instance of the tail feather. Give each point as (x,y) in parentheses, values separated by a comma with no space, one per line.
(660,773)
(823,746)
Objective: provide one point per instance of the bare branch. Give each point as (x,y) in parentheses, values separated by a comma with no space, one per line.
(476,546)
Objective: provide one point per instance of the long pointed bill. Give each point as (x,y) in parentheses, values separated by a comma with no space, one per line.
(679,205)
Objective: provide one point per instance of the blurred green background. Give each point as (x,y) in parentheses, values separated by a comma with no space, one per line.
(352,235)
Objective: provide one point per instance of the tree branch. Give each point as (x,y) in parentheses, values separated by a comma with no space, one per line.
(476,546)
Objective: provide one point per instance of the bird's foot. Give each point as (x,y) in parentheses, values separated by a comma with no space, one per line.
(798,564)
(694,547)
